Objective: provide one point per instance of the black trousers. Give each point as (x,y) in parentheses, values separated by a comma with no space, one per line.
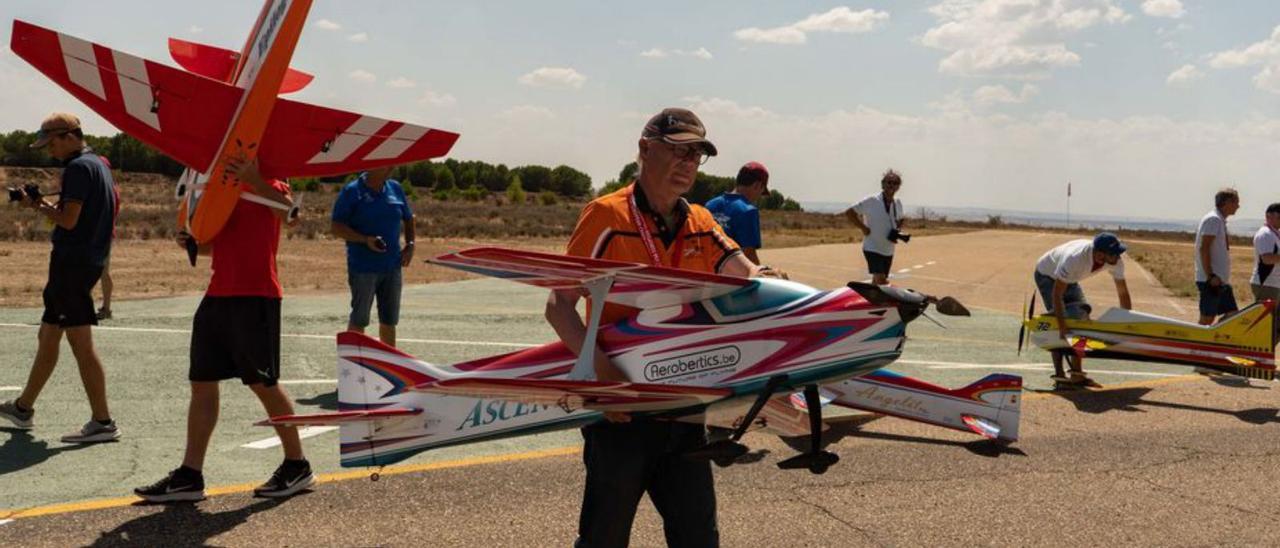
(626,460)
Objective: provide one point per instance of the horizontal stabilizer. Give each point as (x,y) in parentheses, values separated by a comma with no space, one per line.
(982,427)
(339,417)
(220,64)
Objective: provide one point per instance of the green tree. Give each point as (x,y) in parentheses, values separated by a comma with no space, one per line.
(515,192)
(570,182)
(535,178)
(444,178)
(628,173)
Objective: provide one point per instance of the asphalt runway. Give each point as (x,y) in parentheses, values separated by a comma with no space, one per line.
(1160,457)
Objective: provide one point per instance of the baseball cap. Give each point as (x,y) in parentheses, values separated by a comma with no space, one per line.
(752,172)
(56,124)
(678,126)
(1108,243)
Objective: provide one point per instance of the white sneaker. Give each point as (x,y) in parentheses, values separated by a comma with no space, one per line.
(94,432)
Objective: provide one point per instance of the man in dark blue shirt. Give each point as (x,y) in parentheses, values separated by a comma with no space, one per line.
(369,214)
(736,211)
(83,219)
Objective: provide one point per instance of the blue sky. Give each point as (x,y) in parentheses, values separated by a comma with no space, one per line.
(1147,106)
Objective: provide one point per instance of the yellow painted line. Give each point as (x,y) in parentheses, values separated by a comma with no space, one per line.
(101,504)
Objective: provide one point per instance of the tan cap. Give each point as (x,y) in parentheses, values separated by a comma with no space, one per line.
(56,124)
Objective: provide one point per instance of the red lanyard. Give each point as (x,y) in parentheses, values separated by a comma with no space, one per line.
(642,225)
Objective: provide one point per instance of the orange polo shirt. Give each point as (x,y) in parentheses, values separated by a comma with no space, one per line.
(606,230)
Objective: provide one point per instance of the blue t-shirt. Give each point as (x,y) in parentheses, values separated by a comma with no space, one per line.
(88,181)
(739,219)
(373,214)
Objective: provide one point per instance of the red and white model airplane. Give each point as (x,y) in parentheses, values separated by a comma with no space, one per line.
(702,348)
(225,105)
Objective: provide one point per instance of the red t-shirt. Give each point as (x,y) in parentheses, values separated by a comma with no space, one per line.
(244,252)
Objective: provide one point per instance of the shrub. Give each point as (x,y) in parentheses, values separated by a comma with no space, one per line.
(547,198)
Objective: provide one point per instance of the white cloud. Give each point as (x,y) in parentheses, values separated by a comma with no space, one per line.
(1014,38)
(1163,8)
(553,78)
(1184,75)
(401,82)
(998,160)
(437,99)
(362,76)
(1254,54)
(359,37)
(991,95)
(659,53)
(195,29)
(325,24)
(840,19)
(1265,53)
(526,114)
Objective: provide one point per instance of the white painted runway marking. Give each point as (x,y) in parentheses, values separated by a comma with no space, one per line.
(5,521)
(918,266)
(305,432)
(1023,366)
(931,263)
(287,335)
(10,388)
(904,270)
(309,381)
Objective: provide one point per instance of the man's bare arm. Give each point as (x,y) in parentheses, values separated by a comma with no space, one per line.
(1122,291)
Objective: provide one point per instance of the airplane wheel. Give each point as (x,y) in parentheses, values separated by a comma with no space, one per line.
(819,468)
(375,476)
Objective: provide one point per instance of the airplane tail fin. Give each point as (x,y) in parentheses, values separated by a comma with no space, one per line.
(374,401)
(989,407)
(372,374)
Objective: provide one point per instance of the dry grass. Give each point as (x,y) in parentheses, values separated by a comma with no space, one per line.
(159,268)
(1174,265)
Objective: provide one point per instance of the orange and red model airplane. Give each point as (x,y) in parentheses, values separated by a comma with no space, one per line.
(225,105)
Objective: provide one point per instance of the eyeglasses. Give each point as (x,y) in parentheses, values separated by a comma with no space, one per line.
(686,153)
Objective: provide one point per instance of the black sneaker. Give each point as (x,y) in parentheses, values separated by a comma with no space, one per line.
(176,487)
(287,480)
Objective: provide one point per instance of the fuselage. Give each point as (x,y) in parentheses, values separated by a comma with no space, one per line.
(737,341)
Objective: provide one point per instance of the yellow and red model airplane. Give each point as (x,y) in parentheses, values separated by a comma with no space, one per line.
(1241,344)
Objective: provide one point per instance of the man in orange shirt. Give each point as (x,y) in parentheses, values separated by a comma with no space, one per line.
(648,222)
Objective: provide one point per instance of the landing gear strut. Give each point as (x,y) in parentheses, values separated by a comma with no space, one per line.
(725,452)
(816,460)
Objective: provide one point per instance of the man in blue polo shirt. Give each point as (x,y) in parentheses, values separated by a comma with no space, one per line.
(736,211)
(369,214)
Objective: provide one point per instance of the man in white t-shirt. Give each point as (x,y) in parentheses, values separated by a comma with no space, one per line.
(1213,249)
(878,216)
(1266,249)
(1058,276)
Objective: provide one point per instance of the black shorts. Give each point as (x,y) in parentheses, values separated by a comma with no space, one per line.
(68,295)
(877,263)
(236,337)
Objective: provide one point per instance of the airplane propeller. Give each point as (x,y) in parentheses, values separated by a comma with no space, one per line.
(1022,332)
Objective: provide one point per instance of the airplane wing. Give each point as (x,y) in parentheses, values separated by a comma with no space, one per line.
(572,395)
(339,417)
(181,114)
(634,285)
(304,140)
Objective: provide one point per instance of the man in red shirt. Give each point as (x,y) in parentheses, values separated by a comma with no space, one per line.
(236,334)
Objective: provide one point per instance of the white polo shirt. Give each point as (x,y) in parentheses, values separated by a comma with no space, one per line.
(1266,241)
(1072,262)
(1214,224)
(880,220)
